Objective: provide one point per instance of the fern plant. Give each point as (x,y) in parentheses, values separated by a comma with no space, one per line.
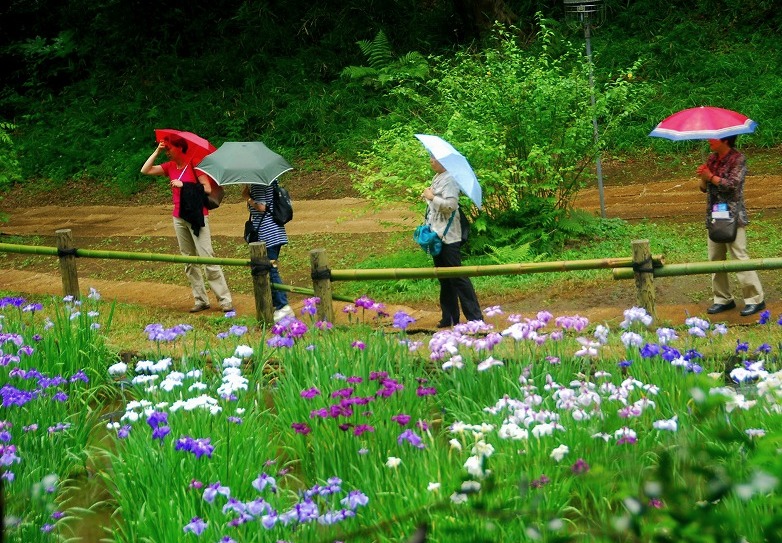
(384,69)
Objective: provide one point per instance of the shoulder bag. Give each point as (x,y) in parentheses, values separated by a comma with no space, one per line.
(428,239)
(723,230)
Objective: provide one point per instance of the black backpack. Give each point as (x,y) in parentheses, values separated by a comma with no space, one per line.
(464,222)
(282,208)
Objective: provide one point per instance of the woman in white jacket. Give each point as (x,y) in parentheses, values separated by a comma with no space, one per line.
(442,197)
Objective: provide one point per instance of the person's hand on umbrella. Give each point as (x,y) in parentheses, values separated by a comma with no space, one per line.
(176,183)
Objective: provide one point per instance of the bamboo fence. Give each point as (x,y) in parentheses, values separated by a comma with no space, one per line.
(642,266)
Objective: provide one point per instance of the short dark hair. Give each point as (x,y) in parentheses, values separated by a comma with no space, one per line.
(730,140)
(176,141)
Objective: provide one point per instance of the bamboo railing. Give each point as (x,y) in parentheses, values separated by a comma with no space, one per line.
(642,266)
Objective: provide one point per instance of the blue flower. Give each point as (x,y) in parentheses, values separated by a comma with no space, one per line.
(196,526)
(402,320)
(412,438)
(764,348)
(765,316)
(650,350)
(157,418)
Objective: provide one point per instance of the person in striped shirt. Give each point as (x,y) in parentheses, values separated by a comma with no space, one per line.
(260,201)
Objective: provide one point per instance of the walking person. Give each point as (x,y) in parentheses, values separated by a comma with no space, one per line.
(191,220)
(722,179)
(260,202)
(442,198)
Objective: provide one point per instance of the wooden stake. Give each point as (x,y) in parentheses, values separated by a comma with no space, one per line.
(321,284)
(264,307)
(67,254)
(644,276)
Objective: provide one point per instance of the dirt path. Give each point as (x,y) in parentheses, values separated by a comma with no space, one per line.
(678,198)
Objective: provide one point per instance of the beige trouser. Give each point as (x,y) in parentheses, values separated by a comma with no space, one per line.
(190,245)
(751,289)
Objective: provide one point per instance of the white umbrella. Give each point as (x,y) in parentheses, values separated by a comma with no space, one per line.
(453,161)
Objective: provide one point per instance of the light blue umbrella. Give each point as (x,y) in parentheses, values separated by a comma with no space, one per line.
(244,162)
(453,161)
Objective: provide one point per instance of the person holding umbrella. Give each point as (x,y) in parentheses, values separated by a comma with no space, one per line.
(442,198)
(191,222)
(722,179)
(260,201)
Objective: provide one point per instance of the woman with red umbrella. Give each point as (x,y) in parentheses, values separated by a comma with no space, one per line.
(722,179)
(191,222)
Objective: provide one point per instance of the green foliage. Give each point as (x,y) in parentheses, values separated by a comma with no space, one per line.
(383,68)
(9,164)
(87,82)
(523,119)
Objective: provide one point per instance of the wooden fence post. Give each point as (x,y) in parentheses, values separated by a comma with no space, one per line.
(644,276)
(67,253)
(321,284)
(259,267)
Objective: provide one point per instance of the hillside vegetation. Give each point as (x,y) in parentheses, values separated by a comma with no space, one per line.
(88,82)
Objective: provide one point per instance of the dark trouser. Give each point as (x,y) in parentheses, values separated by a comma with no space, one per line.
(456,290)
(279,297)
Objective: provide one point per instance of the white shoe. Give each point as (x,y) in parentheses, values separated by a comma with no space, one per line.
(284,311)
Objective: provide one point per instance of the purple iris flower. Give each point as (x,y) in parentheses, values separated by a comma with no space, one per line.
(401,419)
(354,500)
(310,306)
(650,350)
(211,492)
(157,418)
(343,393)
(412,438)
(161,432)
(310,393)
(79,376)
(763,348)
(196,526)
(692,354)
(741,347)
(280,341)
(402,320)
(264,480)
(198,447)
(580,467)
(765,316)
(362,428)
(301,428)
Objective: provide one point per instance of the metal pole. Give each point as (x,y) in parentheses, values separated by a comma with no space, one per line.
(598,162)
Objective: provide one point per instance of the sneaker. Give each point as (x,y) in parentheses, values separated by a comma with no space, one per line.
(199,307)
(281,313)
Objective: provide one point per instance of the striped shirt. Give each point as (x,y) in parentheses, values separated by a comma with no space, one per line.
(269,231)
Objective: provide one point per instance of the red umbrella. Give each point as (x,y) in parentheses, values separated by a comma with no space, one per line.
(703,123)
(197,147)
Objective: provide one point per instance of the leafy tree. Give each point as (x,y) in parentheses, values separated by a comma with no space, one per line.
(523,119)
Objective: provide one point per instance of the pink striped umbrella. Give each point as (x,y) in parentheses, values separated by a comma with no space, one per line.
(703,123)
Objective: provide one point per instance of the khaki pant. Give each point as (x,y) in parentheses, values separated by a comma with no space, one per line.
(190,245)
(751,289)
